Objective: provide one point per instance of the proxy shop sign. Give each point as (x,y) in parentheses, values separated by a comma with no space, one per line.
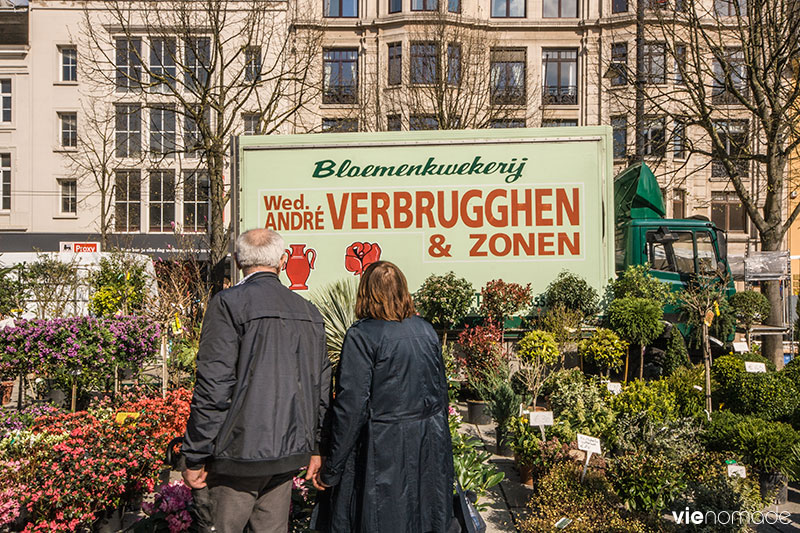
(520,208)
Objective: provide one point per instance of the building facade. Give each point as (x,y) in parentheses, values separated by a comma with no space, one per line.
(378,65)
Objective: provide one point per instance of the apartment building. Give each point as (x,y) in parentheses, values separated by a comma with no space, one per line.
(381,65)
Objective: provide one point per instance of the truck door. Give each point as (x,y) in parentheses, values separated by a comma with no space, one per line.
(672,260)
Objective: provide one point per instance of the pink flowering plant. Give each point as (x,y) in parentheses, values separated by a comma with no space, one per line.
(169,512)
(500,300)
(303,498)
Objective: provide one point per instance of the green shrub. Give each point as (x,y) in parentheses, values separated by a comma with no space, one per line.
(676,355)
(445,300)
(337,304)
(581,407)
(604,349)
(592,504)
(563,379)
(119,285)
(537,351)
(688,386)
(676,439)
(749,307)
(771,395)
(637,320)
(648,483)
(563,323)
(765,445)
(654,398)
(637,282)
(573,292)
(494,387)
(500,300)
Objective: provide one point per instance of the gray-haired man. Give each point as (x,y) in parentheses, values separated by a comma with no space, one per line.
(262,390)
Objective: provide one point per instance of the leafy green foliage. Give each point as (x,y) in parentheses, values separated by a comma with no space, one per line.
(337,304)
(604,349)
(592,504)
(580,407)
(494,387)
(537,351)
(770,395)
(637,320)
(471,464)
(119,286)
(637,282)
(688,386)
(445,300)
(654,398)
(749,307)
(767,446)
(12,289)
(676,355)
(572,292)
(563,323)
(500,300)
(530,450)
(649,483)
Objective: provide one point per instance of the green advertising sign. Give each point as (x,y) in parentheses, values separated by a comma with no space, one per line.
(516,204)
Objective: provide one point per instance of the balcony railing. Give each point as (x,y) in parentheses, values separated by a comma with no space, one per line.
(508,96)
(718,169)
(340,94)
(563,95)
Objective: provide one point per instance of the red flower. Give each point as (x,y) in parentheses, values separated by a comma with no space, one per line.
(360,255)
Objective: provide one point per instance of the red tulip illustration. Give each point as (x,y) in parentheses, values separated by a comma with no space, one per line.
(360,255)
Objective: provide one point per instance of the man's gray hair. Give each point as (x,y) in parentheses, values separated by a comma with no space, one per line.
(260,247)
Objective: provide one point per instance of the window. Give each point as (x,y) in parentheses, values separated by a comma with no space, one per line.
(654,136)
(341,8)
(338,125)
(734,138)
(69,129)
(654,63)
(162,64)
(395,63)
(619,126)
(508,76)
(508,8)
(679,139)
(423,122)
(395,6)
(560,123)
(5,181)
(252,63)
(729,8)
(252,123)
(162,200)
(619,64)
(619,6)
(129,63)
(677,256)
(394,123)
(680,63)
(727,211)
(192,139)
(730,77)
(340,82)
(424,5)
(5,101)
(560,9)
(424,63)
(500,123)
(706,254)
(196,209)
(128,129)
(197,52)
(127,200)
(656,4)
(69,196)
(454,6)
(454,64)
(678,203)
(69,63)
(162,131)
(560,75)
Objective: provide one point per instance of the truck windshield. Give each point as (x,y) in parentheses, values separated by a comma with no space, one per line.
(677,256)
(706,255)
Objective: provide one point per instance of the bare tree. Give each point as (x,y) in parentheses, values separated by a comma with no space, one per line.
(206,63)
(721,76)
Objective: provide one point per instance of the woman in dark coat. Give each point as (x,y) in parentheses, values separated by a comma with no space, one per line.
(389,465)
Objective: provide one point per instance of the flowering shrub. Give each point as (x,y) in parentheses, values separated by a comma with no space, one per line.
(500,299)
(14,420)
(170,509)
(85,347)
(481,347)
(444,300)
(75,466)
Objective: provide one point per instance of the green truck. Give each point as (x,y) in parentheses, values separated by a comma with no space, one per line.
(517,204)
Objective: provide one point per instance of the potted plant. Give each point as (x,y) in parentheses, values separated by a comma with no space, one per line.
(502,401)
(749,307)
(445,300)
(537,350)
(525,444)
(604,349)
(481,351)
(501,300)
(638,321)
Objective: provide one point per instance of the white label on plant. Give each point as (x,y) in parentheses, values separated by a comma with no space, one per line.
(698,387)
(541,418)
(758,368)
(740,347)
(737,471)
(589,444)
(614,387)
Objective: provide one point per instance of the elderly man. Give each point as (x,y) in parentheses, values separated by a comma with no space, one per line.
(262,390)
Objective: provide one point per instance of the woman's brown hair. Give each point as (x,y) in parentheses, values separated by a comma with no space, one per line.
(383,293)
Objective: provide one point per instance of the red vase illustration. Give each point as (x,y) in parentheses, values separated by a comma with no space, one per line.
(360,255)
(299,266)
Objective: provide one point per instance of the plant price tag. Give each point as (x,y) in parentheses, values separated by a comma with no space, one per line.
(541,418)
(737,471)
(740,347)
(614,387)
(589,444)
(758,368)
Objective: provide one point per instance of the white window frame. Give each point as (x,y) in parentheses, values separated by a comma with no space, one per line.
(62,183)
(6,179)
(62,115)
(6,101)
(62,65)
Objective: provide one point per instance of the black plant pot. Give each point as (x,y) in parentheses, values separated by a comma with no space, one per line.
(774,483)
(502,446)
(478,413)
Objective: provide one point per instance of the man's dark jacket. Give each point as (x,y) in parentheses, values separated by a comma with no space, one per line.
(263,381)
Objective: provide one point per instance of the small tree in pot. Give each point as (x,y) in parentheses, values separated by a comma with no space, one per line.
(604,349)
(537,351)
(638,321)
(481,352)
(749,307)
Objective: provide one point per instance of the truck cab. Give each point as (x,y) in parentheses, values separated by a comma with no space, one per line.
(675,249)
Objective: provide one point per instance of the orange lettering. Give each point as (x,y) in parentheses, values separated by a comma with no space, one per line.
(356,211)
(541,206)
(380,209)
(425,208)
(572,209)
(402,206)
(502,210)
(545,246)
(338,215)
(480,238)
(574,245)
(476,222)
